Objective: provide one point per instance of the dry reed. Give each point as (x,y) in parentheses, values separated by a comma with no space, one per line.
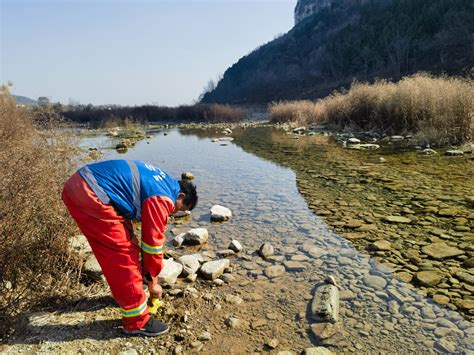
(34,224)
(437,110)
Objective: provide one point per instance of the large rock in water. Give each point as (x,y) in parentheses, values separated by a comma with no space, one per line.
(171,271)
(220,213)
(196,236)
(211,270)
(441,250)
(325,304)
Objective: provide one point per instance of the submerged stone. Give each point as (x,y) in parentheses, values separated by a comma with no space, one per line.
(441,250)
(429,278)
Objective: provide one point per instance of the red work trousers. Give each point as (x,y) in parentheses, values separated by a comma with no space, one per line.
(110,237)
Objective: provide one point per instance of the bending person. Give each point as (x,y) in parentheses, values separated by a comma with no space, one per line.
(104,198)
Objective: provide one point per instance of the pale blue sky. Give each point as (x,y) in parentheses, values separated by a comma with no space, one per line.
(130,52)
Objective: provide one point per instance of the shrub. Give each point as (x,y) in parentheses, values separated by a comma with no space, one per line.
(438,110)
(34,224)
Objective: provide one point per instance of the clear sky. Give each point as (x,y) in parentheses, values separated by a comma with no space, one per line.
(130,52)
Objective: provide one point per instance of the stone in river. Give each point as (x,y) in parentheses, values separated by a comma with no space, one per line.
(294,265)
(213,269)
(441,250)
(441,299)
(375,282)
(464,304)
(380,245)
(466,277)
(445,346)
(220,213)
(178,240)
(396,219)
(266,250)
(274,271)
(318,350)
(196,236)
(235,246)
(404,276)
(170,272)
(454,153)
(325,304)
(429,278)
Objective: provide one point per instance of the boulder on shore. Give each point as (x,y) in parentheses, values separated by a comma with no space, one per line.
(196,236)
(325,304)
(211,270)
(170,272)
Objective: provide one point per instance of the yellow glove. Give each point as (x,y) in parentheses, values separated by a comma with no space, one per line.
(155,303)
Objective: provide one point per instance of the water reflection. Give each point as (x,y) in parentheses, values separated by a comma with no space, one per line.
(379,312)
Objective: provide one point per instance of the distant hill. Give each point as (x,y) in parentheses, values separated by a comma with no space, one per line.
(336,42)
(23,100)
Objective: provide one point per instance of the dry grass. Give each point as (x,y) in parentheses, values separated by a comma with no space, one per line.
(438,110)
(34,224)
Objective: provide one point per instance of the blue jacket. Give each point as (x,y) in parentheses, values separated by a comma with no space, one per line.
(128,184)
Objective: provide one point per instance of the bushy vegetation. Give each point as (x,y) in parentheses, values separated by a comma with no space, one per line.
(34,224)
(347,41)
(439,110)
(99,116)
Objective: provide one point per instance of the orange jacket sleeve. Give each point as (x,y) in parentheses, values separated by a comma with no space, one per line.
(155,212)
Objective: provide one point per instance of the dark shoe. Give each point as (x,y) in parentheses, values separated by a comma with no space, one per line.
(152,328)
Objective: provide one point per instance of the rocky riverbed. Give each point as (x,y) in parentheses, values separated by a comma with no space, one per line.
(413,213)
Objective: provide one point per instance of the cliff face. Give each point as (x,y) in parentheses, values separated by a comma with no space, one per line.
(347,40)
(305,8)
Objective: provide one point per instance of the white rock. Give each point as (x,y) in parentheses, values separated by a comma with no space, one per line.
(178,240)
(369,146)
(353,141)
(429,151)
(235,246)
(226,139)
(171,271)
(325,304)
(211,270)
(80,244)
(190,264)
(397,138)
(92,268)
(196,236)
(454,153)
(232,322)
(220,213)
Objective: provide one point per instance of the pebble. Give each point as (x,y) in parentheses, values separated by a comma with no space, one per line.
(266,250)
(205,336)
(273,343)
(232,322)
(274,271)
(235,246)
(233,299)
(375,282)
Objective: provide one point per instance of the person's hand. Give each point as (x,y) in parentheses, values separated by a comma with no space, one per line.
(155,290)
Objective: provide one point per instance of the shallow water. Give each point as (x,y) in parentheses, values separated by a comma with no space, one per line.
(378,311)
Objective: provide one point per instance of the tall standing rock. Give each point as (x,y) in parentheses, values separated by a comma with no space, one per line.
(325,304)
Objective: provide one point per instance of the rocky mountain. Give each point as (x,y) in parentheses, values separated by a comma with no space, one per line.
(23,100)
(335,42)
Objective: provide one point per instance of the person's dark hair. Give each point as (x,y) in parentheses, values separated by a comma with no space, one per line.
(190,195)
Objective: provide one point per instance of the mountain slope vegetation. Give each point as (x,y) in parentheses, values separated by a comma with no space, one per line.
(344,42)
